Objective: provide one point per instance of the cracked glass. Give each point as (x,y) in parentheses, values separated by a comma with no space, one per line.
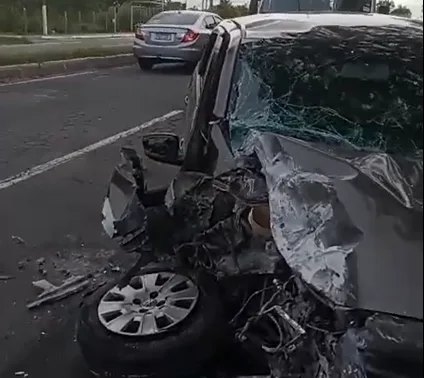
(359,87)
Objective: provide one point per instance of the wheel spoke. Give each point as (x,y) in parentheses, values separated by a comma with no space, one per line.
(148,325)
(171,283)
(190,294)
(175,313)
(126,292)
(108,307)
(116,325)
(149,282)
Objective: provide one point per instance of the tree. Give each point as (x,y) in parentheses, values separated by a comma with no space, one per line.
(226,10)
(389,7)
(401,11)
(385,6)
(175,5)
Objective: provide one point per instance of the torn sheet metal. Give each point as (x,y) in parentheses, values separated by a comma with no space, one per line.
(340,228)
(6,277)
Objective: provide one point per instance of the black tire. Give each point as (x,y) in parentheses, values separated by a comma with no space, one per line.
(145,64)
(180,352)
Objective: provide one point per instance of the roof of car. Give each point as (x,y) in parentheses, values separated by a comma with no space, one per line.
(193,11)
(263,24)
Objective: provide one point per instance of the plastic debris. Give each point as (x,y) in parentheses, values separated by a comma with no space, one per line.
(18,239)
(6,278)
(21,374)
(52,293)
(41,261)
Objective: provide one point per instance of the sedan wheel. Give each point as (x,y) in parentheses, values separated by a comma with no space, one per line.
(145,64)
(152,303)
(163,324)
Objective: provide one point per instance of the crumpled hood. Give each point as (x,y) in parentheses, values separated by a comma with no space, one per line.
(351,227)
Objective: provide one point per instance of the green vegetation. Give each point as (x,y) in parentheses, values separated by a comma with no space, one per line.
(90,16)
(47,56)
(389,7)
(226,10)
(75,16)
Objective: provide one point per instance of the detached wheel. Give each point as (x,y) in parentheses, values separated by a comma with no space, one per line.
(145,64)
(162,325)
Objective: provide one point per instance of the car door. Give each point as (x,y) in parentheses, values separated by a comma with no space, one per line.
(196,129)
(207,145)
(195,88)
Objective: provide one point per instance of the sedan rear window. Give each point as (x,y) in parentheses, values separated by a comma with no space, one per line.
(174,18)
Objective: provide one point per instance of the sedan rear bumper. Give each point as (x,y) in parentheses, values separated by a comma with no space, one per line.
(167,53)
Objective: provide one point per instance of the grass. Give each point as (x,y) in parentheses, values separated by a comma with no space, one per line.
(5,40)
(48,56)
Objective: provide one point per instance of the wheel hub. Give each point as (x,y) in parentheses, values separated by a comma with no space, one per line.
(150,304)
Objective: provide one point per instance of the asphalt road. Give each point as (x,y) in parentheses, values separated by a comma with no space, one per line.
(54,214)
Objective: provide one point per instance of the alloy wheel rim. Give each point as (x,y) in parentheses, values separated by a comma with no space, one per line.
(150,304)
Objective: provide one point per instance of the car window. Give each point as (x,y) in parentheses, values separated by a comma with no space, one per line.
(174,18)
(371,103)
(217,19)
(209,21)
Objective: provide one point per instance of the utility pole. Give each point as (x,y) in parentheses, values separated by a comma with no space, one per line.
(115,16)
(44,17)
(25,21)
(65,16)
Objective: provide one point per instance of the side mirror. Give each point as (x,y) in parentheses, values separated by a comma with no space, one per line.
(163,148)
(210,26)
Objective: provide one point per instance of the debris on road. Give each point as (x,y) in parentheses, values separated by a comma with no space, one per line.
(115,268)
(21,374)
(53,293)
(18,239)
(6,278)
(41,261)
(23,264)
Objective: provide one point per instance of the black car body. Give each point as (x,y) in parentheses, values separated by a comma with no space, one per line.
(320,117)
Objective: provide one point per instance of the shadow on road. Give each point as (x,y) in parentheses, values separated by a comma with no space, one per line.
(172,69)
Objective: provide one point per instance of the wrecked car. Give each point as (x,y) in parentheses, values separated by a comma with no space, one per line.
(290,242)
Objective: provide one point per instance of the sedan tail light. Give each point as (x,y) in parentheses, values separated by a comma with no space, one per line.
(190,36)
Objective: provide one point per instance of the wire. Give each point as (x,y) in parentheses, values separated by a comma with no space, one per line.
(248,301)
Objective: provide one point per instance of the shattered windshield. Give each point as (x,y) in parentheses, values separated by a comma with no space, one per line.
(358,87)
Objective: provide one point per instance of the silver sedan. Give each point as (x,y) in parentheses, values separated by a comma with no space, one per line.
(173,36)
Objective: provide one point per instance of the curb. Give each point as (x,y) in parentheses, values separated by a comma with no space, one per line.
(87,36)
(34,70)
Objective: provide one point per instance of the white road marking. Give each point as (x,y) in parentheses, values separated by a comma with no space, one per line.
(64,76)
(39,169)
